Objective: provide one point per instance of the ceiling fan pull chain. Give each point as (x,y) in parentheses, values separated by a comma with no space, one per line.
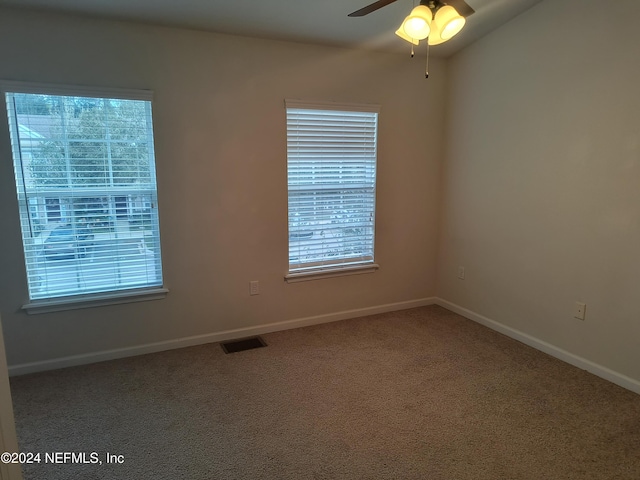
(426,72)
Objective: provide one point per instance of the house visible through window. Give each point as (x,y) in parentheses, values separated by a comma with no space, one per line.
(331,169)
(85,178)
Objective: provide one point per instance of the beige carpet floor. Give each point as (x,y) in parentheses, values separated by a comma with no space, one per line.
(415,394)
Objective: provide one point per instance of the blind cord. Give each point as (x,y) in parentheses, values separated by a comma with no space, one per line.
(426,72)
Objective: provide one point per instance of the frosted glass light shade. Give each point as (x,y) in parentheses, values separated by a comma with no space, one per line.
(418,23)
(400,32)
(449,22)
(434,36)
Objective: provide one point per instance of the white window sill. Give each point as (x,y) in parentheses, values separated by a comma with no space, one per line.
(330,272)
(93,300)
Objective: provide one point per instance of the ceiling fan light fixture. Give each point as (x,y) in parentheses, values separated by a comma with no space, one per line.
(434,36)
(418,24)
(434,20)
(401,33)
(449,22)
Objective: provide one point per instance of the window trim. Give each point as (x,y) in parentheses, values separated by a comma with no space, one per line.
(74,90)
(321,105)
(71,302)
(74,302)
(333,270)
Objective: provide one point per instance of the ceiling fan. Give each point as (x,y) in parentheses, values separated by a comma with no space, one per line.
(437,20)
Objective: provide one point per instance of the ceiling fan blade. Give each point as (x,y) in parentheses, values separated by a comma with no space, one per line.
(461,7)
(372,8)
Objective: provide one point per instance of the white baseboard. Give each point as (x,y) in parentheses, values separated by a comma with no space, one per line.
(74,360)
(568,357)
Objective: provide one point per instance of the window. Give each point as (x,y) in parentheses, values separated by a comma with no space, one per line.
(331,170)
(85,177)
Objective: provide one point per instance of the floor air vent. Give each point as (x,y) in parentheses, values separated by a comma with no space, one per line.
(242,344)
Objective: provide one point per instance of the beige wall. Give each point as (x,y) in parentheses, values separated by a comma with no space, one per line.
(221,161)
(541,187)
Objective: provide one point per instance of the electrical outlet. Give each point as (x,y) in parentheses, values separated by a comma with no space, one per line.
(580,310)
(254,287)
(461,273)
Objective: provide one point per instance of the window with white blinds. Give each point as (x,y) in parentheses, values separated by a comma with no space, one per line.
(331,169)
(86,184)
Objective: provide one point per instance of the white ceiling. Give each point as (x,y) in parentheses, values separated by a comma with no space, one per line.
(309,21)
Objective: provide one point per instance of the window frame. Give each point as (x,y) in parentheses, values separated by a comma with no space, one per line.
(324,269)
(91,299)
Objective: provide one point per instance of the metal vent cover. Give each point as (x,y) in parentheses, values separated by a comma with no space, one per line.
(243,344)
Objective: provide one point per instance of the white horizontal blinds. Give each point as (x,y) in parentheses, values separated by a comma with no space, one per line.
(85,175)
(331,166)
